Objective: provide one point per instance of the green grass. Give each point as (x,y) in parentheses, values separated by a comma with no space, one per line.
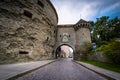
(109,66)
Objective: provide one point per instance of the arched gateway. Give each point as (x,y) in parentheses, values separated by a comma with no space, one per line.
(73,35)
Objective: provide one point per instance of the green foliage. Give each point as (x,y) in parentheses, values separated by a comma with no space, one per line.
(114,56)
(102,27)
(115,26)
(103,42)
(84,50)
(111,51)
(88,47)
(101,48)
(106,28)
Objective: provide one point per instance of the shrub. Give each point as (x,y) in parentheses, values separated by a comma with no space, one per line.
(101,43)
(113,56)
(101,48)
(112,51)
(88,47)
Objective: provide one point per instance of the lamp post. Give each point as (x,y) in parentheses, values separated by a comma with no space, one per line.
(98,36)
(94,47)
(91,34)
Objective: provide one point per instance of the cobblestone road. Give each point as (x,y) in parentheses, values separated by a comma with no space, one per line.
(63,69)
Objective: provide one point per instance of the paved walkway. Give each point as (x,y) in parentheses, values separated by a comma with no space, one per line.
(104,72)
(12,70)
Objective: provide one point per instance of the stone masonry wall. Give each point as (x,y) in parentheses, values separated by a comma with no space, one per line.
(82,35)
(78,37)
(71,36)
(27,30)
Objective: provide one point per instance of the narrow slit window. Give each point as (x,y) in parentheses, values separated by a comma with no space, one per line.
(5,0)
(69,35)
(40,3)
(83,24)
(28,14)
(47,39)
(23,52)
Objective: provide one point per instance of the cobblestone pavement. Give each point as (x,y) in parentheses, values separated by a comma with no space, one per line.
(63,69)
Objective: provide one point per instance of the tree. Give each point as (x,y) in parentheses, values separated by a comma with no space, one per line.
(102,27)
(106,28)
(114,27)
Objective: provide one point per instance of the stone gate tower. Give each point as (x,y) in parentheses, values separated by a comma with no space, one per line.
(73,35)
(82,29)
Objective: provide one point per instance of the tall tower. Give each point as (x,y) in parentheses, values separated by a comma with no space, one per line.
(82,29)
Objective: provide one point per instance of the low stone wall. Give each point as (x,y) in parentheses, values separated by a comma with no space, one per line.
(98,56)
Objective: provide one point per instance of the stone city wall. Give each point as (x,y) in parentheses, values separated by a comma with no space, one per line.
(27,30)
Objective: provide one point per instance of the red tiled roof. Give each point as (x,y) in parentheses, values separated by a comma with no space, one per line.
(81,21)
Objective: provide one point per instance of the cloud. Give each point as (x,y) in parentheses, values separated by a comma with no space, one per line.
(110,8)
(70,11)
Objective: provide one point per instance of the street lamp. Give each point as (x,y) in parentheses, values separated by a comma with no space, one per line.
(98,36)
(91,32)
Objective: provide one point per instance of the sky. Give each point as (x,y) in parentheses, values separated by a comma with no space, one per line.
(71,11)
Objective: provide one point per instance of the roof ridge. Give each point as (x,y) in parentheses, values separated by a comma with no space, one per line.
(81,21)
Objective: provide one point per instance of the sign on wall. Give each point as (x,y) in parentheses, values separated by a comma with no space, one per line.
(65,37)
(94,45)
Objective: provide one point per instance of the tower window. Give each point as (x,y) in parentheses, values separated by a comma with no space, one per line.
(28,14)
(5,0)
(80,24)
(40,3)
(23,52)
(47,39)
(83,24)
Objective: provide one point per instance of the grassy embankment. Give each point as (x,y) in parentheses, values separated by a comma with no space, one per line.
(109,66)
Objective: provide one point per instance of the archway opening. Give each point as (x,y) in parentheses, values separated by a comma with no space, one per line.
(64,51)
